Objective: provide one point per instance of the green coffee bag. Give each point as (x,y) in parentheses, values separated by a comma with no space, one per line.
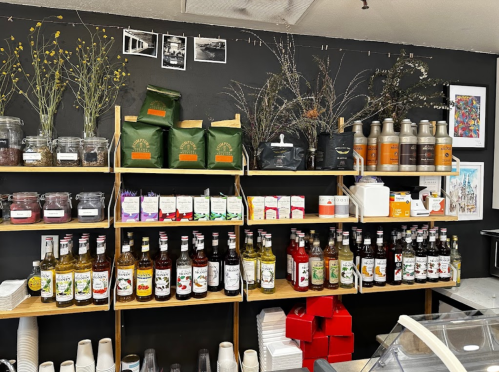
(161,107)
(224,144)
(141,145)
(186,145)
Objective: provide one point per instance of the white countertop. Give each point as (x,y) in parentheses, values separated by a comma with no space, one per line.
(478,293)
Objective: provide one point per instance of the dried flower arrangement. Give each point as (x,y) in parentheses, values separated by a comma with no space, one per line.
(394,101)
(9,67)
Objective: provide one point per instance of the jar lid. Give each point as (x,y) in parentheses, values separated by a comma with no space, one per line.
(57,195)
(10,120)
(25,195)
(95,140)
(37,140)
(89,195)
(68,140)
(4,197)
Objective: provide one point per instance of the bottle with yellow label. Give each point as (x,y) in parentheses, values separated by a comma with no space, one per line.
(144,274)
(64,277)
(47,272)
(443,148)
(359,141)
(34,280)
(125,275)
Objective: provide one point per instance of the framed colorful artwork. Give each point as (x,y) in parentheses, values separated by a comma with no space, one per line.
(465,191)
(467,118)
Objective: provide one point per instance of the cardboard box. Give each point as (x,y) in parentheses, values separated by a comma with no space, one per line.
(201,208)
(340,324)
(149,208)
(341,345)
(321,306)
(300,325)
(283,207)
(218,208)
(130,208)
(297,207)
(339,358)
(400,204)
(271,207)
(436,205)
(167,208)
(256,206)
(308,363)
(184,208)
(318,348)
(234,208)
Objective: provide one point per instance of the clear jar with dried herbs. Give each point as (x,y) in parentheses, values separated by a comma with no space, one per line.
(11,137)
(67,151)
(91,207)
(37,152)
(57,207)
(94,152)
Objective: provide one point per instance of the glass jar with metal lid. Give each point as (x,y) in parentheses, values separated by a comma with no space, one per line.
(4,200)
(94,152)
(37,152)
(57,207)
(11,137)
(67,151)
(90,206)
(25,208)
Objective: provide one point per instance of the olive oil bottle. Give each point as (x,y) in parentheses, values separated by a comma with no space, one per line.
(250,263)
(267,266)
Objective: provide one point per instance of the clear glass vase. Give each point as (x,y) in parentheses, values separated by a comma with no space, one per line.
(89,125)
(46,128)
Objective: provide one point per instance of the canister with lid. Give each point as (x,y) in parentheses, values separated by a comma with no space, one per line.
(388,148)
(443,148)
(67,151)
(426,148)
(37,152)
(90,206)
(57,207)
(94,152)
(408,147)
(359,140)
(25,208)
(11,137)
(372,146)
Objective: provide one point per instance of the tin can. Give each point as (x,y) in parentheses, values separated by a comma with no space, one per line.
(131,362)
(326,206)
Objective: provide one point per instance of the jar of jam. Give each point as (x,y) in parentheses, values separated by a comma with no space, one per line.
(67,151)
(37,152)
(25,208)
(90,206)
(57,207)
(94,152)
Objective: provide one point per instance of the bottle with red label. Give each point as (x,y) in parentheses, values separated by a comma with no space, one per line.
(184,272)
(162,272)
(433,263)
(289,255)
(200,270)
(300,265)
(397,263)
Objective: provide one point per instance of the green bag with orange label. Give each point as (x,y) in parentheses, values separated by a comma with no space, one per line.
(141,145)
(224,145)
(161,107)
(187,145)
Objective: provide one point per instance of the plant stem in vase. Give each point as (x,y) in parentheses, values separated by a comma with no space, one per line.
(89,125)
(311,159)
(254,161)
(46,128)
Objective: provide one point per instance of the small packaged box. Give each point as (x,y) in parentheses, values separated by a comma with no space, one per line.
(297,207)
(283,207)
(130,208)
(341,345)
(234,208)
(321,306)
(256,206)
(300,325)
(340,324)
(167,208)
(201,208)
(318,348)
(149,208)
(184,208)
(400,204)
(271,207)
(339,358)
(435,204)
(218,208)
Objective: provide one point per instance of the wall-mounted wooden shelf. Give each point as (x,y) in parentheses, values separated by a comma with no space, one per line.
(206,172)
(284,290)
(406,287)
(409,219)
(119,223)
(211,298)
(22,169)
(73,224)
(309,218)
(32,306)
(410,174)
(301,173)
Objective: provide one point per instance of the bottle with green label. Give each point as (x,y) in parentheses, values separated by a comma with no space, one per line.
(83,276)
(64,277)
(316,267)
(267,266)
(345,258)
(249,263)
(47,272)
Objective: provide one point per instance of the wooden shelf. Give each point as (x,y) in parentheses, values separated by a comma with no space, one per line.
(32,306)
(309,218)
(409,219)
(406,287)
(284,290)
(119,223)
(73,224)
(22,169)
(211,298)
(302,173)
(207,172)
(407,174)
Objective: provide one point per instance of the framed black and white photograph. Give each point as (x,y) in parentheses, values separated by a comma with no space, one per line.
(140,43)
(173,52)
(467,118)
(210,50)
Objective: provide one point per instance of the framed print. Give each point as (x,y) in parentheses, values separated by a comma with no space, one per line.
(466,191)
(467,118)
(210,50)
(140,43)
(173,52)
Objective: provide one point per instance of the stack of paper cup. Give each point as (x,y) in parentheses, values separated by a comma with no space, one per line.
(225,353)
(27,345)
(85,361)
(250,361)
(105,357)
(68,366)
(46,367)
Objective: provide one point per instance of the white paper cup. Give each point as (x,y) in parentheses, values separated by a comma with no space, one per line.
(67,366)
(27,324)
(85,355)
(250,358)
(225,352)
(105,357)
(228,366)
(250,369)
(341,206)
(46,367)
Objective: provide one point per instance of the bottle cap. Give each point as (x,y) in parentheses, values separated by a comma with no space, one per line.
(36,263)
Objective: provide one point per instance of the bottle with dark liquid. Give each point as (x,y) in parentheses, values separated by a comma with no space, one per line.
(34,280)
(101,275)
(433,263)
(421,259)
(192,252)
(357,249)
(367,263)
(380,261)
(200,270)
(144,290)
(232,272)
(162,272)
(184,272)
(215,267)
(131,242)
(289,255)
(331,264)
(444,256)
(311,238)
(397,263)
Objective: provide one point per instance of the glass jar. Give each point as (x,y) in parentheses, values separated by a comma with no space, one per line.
(90,207)
(57,207)
(11,137)
(94,152)
(37,152)
(25,208)
(67,151)
(4,199)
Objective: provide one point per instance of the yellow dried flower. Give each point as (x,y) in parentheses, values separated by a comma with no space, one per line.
(39,24)
(57,34)
(32,29)
(12,37)
(59,16)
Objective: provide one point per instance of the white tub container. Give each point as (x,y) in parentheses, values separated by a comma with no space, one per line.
(374,197)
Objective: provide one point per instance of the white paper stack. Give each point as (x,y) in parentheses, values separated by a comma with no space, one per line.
(27,345)
(12,293)
(276,350)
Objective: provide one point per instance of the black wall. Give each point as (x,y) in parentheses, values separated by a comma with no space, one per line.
(178,333)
